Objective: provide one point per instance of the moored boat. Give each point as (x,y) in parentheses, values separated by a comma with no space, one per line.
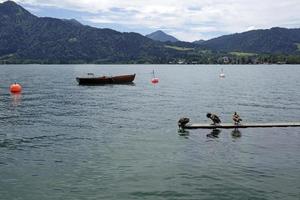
(102,80)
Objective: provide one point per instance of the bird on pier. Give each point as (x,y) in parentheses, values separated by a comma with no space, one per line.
(236,118)
(182,122)
(216,120)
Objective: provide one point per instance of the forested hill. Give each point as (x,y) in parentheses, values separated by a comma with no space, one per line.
(274,41)
(26,37)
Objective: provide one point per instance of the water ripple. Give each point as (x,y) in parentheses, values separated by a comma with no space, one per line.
(59,140)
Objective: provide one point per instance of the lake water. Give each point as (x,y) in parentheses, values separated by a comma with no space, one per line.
(59,140)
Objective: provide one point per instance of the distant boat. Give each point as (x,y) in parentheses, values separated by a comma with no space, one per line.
(102,80)
(222,75)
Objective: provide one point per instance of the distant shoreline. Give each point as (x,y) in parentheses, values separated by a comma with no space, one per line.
(146,64)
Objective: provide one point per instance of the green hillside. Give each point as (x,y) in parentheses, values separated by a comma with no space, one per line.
(273,41)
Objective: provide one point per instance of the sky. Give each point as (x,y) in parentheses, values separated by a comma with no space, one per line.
(187,20)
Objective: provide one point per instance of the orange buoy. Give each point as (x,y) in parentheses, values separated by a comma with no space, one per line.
(155,80)
(15,88)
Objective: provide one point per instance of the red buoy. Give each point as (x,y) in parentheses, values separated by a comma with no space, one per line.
(15,88)
(155,80)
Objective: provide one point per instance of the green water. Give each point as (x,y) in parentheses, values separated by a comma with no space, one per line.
(59,140)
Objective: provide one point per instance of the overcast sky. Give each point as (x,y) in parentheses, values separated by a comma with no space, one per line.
(187,20)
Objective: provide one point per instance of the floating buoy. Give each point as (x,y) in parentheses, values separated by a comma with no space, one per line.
(155,80)
(222,75)
(15,88)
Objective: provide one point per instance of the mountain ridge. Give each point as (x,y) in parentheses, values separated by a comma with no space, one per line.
(162,37)
(276,40)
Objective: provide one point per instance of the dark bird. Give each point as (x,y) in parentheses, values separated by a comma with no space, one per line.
(183,121)
(236,118)
(214,118)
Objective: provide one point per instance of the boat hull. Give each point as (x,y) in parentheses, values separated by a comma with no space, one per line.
(103,80)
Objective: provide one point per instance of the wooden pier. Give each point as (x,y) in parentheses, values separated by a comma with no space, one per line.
(242,125)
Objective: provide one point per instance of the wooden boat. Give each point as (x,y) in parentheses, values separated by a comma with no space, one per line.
(102,80)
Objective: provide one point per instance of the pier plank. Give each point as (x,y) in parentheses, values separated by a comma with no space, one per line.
(242,125)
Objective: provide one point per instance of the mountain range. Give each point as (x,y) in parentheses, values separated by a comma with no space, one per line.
(26,38)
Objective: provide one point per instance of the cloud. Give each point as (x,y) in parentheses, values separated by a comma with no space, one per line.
(187,20)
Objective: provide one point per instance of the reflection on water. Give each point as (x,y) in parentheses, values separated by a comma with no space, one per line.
(214,133)
(108,85)
(183,132)
(236,133)
(16,99)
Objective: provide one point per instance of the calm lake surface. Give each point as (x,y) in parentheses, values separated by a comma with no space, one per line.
(59,140)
